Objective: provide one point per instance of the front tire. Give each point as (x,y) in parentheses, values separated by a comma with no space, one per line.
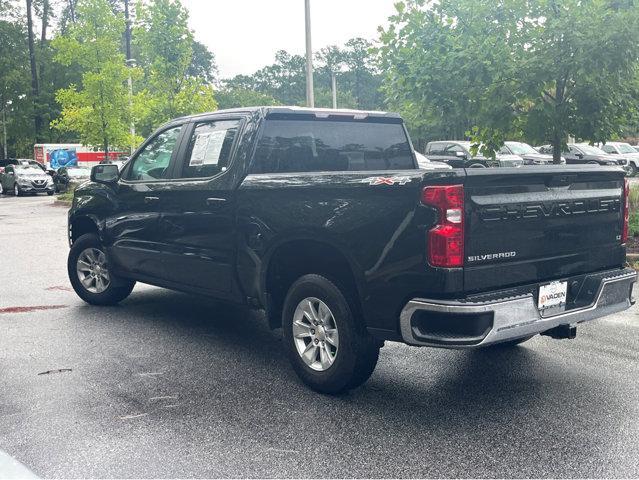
(327,345)
(89,273)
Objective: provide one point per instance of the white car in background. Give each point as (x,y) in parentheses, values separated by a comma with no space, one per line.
(623,150)
(426,164)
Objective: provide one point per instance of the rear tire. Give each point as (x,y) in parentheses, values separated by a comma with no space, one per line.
(349,356)
(16,190)
(110,289)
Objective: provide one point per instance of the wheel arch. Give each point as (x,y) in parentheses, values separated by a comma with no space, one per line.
(82,225)
(293,257)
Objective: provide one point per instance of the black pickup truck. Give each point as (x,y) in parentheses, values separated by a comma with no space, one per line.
(322,219)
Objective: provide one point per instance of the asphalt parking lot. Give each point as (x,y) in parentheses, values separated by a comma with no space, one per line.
(172,385)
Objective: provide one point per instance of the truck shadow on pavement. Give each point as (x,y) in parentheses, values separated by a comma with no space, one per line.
(223,364)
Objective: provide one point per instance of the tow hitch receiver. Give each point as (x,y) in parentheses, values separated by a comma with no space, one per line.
(561,332)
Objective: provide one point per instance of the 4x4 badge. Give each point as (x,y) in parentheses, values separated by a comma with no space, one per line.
(386,180)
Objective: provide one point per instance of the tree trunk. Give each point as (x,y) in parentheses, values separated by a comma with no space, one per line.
(35,89)
(558,136)
(72,10)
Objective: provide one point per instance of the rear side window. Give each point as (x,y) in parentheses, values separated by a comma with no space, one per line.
(210,148)
(328,146)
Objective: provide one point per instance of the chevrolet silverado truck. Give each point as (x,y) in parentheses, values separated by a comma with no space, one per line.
(322,219)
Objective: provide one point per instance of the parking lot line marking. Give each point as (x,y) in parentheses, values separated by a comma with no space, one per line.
(30,309)
(129,417)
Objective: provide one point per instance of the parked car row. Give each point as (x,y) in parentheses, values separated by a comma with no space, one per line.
(21,177)
(24,178)
(458,154)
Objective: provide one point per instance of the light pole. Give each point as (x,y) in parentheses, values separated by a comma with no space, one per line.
(310,100)
(334,88)
(130,63)
(4,127)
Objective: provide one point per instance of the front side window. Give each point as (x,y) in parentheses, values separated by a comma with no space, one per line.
(328,146)
(608,149)
(209,150)
(454,148)
(436,148)
(152,163)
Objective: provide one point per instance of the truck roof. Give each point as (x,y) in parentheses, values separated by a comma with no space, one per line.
(293,110)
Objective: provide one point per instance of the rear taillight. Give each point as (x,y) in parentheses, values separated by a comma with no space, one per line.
(626,210)
(446,239)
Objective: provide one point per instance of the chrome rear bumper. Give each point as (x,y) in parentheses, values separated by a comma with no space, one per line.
(516,317)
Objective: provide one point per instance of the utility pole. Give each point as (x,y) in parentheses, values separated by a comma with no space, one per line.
(334,88)
(4,130)
(127,31)
(310,100)
(130,63)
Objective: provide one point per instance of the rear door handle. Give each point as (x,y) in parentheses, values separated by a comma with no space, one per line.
(215,200)
(151,199)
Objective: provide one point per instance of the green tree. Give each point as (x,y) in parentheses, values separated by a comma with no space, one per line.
(240,97)
(585,82)
(203,64)
(173,86)
(539,69)
(15,104)
(98,111)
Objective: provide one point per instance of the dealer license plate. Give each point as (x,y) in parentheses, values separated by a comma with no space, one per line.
(552,295)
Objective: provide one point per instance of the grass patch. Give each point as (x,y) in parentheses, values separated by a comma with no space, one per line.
(68,195)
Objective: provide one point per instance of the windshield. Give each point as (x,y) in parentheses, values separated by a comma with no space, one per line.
(519,148)
(78,172)
(27,169)
(625,148)
(590,150)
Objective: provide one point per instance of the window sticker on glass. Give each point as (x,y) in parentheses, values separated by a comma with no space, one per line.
(207,148)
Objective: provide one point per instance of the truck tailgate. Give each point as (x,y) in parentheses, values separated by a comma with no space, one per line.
(541,223)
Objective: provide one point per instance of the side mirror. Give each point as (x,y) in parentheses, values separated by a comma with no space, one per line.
(107,173)
(460,155)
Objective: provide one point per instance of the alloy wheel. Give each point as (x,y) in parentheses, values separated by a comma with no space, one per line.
(315,334)
(92,270)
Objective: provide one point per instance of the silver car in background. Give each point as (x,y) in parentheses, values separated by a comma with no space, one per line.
(24,178)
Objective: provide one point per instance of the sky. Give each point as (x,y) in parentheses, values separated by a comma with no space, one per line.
(245,34)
